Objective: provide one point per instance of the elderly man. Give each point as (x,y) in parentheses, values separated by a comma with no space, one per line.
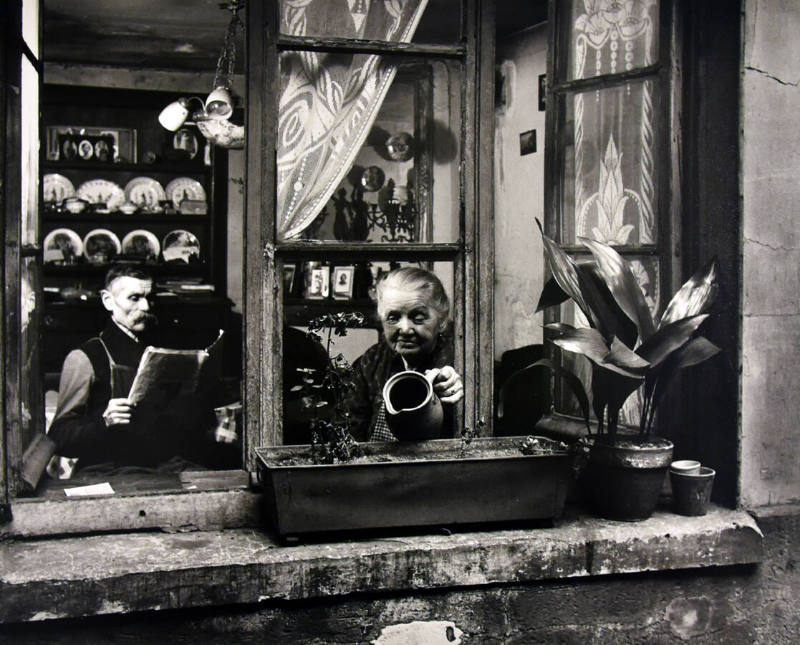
(94,420)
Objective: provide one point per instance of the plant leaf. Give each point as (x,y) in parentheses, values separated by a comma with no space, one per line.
(574,383)
(563,269)
(695,296)
(623,356)
(619,277)
(609,317)
(610,390)
(590,343)
(669,339)
(551,296)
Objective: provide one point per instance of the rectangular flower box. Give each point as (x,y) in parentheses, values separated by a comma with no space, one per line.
(414,484)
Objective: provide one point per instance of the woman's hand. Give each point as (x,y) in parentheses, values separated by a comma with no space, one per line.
(118,412)
(446,383)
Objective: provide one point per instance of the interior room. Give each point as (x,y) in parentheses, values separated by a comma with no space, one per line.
(233,227)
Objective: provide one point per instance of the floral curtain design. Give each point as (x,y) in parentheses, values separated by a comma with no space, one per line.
(614,162)
(328,102)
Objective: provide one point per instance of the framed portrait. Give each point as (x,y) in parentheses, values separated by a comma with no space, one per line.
(78,142)
(317,281)
(289,271)
(342,282)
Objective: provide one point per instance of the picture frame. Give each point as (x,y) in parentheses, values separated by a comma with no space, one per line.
(289,271)
(342,283)
(65,142)
(317,281)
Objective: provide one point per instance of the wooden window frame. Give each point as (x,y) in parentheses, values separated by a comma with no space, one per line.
(473,255)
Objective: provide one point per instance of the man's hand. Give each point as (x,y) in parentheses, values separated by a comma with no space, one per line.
(446,383)
(118,412)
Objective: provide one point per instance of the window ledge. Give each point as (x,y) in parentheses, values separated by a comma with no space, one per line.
(120,573)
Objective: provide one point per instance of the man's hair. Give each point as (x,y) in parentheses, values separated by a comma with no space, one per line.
(126,271)
(420,280)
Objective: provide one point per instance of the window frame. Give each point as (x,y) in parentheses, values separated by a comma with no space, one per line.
(263,288)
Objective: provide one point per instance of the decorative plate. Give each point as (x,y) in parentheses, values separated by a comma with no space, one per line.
(102,192)
(372,178)
(57,188)
(145,192)
(180,246)
(101,246)
(184,188)
(400,146)
(62,245)
(141,244)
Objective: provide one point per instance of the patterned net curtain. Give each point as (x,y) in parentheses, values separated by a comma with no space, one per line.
(328,102)
(610,165)
(613,162)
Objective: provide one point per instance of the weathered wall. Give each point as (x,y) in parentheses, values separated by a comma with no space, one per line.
(519,192)
(743,604)
(770,444)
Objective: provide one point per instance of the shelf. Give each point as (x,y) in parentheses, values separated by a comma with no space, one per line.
(110,219)
(86,269)
(177,168)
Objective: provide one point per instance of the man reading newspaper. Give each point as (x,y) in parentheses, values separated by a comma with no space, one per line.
(96,421)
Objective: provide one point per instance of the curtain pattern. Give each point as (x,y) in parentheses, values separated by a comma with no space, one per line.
(329,101)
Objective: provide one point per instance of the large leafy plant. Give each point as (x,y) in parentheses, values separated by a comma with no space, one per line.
(626,346)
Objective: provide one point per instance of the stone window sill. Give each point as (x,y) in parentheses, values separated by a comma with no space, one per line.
(126,572)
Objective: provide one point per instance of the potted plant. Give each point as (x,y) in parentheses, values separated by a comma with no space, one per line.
(628,349)
(338,484)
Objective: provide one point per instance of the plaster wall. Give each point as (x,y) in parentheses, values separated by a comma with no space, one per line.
(519,191)
(770,450)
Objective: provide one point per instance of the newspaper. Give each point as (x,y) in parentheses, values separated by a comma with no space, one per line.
(164,375)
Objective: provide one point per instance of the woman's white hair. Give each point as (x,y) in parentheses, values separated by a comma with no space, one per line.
(420,280)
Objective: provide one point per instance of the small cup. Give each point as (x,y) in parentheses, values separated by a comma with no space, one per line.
(685,467)
(691,492)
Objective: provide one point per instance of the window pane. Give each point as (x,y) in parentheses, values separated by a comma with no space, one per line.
(29,152)
(362,144)
(611,37)
(610,165)
(420,21)
(314,289)
(30,25)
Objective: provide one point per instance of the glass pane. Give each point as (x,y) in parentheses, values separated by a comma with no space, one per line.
(608,37)
(318,289)
(610,165)
(30,25)
(29,152)
(647,272)
(419,21)
(361,165)
(30,387)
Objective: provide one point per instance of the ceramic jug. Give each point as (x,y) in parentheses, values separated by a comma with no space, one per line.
(413,411)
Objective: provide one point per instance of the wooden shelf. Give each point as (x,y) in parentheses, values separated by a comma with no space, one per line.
(171,167)
(121,218)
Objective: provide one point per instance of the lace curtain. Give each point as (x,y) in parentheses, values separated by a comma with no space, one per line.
(329,102)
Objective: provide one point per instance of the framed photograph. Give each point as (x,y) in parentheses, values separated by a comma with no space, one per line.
(78,142)
(289,271)
(342,283)
(317,281)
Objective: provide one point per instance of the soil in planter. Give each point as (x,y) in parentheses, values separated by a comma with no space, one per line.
(435,450)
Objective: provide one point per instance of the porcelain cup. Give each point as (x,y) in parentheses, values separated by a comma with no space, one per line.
(174,115)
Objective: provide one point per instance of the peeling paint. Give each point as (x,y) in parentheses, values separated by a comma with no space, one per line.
(432,632)
(689,617)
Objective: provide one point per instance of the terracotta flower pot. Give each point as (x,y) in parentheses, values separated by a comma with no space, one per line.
(413,411)
(623,478)
(691,491)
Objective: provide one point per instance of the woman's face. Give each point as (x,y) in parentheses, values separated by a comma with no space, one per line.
(410,324)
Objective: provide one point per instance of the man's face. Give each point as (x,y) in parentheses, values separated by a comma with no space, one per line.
(128,300)
(410,324)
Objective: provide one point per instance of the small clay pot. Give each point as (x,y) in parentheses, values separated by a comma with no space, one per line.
(413,411)
(691,492)
(685,466)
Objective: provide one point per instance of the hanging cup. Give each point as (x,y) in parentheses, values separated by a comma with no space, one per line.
(174,115)
(219,103)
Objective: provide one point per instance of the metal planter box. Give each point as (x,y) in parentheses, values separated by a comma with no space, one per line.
(413,484)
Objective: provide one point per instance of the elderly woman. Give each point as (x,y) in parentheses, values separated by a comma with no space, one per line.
(414,311)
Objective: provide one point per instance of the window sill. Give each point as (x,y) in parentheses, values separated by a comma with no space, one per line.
(120,573)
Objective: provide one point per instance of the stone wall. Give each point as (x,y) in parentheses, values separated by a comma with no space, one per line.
(770,443)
